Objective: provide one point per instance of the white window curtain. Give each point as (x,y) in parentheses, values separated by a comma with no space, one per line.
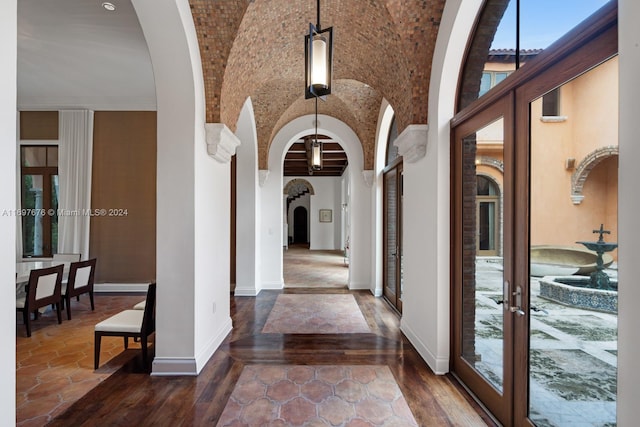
(75,153)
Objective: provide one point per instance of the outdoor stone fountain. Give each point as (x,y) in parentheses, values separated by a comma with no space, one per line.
(600,279)
(596,292)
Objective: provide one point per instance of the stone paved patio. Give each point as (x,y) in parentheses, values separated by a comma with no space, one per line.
(573,355)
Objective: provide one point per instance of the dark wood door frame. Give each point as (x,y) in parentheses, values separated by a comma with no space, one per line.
(589,44)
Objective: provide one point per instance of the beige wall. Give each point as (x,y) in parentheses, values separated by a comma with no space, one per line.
(124,177)
(589,105)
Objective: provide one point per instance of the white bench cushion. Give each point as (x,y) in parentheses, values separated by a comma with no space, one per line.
(21,301)
(126,321)
(140,306)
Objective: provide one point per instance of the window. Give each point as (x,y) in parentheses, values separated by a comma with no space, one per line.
(490,79)
(551,103)
(39,192)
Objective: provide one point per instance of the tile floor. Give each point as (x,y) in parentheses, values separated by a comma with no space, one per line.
(302,395)
(54,367)
(329,268)
(316,314)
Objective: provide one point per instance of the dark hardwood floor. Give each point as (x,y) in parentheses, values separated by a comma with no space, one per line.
(132,397)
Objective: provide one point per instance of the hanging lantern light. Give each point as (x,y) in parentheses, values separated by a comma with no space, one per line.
(318,50)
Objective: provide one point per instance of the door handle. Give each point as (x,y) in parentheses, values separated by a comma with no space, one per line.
(507,296)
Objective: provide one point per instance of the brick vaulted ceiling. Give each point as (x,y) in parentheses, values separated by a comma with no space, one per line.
(382,49)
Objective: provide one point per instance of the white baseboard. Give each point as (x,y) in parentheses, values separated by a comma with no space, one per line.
(245,292)
(359,286)
(273,285)
(439,366)
(121,287)
(190,366)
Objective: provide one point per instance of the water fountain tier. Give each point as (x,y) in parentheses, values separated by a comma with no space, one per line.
(600,279)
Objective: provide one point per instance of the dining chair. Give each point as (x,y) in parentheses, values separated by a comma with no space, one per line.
(137,324)
(80,281)
(66,257)
(43,289)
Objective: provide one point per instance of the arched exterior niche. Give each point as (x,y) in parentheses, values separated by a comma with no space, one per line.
(587,164)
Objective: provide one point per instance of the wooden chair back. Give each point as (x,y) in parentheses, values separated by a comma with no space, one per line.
(44,287)
(81,277)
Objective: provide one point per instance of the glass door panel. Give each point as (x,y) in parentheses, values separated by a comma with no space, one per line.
(573,295)
(483,345)
(482,286)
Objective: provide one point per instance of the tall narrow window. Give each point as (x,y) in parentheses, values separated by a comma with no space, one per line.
(39,191)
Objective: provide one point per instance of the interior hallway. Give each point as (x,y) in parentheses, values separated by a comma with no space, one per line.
(335,357)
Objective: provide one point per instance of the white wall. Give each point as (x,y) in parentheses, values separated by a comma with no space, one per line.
(192,202)
(327,195)
(247,204)
(628,208)
(8,137)
(426,221)
(360,209)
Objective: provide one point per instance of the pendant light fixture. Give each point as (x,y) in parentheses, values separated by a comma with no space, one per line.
(318,50)
(316,147)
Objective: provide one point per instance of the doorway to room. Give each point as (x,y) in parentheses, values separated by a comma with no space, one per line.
(300,225)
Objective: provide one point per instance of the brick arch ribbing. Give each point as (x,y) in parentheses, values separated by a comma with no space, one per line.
(491,161)
(385,45)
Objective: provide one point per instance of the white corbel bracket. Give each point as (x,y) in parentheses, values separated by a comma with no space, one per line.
(221,142)
(368,176)
(263,174)
(412,143)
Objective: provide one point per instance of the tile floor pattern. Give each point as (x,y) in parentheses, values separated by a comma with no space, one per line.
(303,395)
(316,314)
(329,268)
(49,382)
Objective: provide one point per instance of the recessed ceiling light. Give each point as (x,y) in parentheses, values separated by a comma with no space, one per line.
(108,6)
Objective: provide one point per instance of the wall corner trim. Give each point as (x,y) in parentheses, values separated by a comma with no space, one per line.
(221,142)
(412,143)
(439,365)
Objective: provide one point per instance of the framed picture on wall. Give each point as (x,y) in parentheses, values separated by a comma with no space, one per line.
(325,215)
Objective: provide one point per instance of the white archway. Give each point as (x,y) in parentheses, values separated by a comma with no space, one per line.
(426,305)
(360,273)
(247,204)
(192,254)
(382,138)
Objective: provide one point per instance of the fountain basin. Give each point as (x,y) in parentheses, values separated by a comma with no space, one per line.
(577,295)
(554,260)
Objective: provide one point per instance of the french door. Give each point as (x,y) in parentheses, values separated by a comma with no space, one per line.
(392,266)
(528,361)
(484,287)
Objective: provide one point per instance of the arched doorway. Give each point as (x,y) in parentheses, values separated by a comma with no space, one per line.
(300,225)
